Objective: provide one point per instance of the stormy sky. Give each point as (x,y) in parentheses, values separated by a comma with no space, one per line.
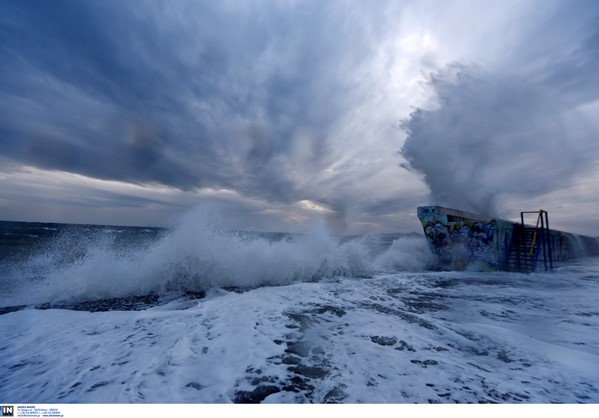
(132,112)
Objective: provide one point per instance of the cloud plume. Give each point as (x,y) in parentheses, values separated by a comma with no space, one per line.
(495,135)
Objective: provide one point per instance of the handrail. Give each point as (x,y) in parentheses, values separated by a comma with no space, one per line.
(534,237)
(545,237)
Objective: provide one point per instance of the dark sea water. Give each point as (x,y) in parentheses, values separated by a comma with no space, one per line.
(21,239)
(22,243)
(201,314)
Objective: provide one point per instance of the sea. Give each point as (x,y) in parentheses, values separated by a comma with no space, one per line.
(200,313)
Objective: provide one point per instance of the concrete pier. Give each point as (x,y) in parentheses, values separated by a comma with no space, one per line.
(468,241)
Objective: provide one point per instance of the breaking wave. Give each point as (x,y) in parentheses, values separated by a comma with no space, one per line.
(200,253)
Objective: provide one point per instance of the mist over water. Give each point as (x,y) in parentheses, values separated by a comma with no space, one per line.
(198,254)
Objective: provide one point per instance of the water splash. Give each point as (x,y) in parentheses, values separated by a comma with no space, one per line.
(201,253)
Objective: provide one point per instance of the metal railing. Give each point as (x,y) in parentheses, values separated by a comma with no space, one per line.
(542,236)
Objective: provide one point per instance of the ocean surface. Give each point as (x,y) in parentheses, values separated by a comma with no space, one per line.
(202,314)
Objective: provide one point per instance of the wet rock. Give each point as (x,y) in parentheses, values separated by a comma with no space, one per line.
(402,345)
(311,372)
(502,355)
(335,395)
(335,310)
(424,363)
(257,395)
(194,385)
(384,341)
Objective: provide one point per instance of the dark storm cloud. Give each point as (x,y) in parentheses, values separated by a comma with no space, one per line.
(511,132)
(287,104)
(186,94)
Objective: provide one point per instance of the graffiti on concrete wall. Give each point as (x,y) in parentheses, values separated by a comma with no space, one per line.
(466,241)
(460,244)
(464,245)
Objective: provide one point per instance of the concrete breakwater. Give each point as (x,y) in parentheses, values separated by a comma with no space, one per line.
(468,241)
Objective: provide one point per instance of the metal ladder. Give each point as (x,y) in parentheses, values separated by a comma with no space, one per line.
(540,242)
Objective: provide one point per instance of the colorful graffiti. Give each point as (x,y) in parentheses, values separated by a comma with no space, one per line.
(460,243)
(466,241)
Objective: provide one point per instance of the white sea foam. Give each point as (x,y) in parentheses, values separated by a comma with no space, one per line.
(392,337)
(442,337)
(201,253)
(406,254)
